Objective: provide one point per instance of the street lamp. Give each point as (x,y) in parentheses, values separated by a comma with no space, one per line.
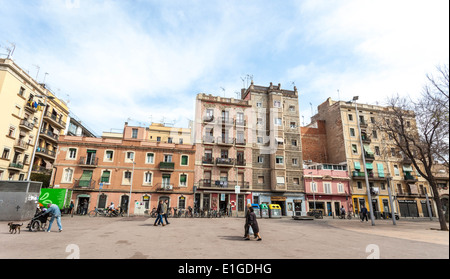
(369,196)
(313,189)
(131,188)
(38,133)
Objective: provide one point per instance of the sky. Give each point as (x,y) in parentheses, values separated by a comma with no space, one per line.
(145,61)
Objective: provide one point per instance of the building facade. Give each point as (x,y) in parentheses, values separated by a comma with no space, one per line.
(223,158)
(384,164)
(27,105)
(327,188)
(277,160)
(105,170)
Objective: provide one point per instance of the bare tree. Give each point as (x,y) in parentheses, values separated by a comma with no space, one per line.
(419,129)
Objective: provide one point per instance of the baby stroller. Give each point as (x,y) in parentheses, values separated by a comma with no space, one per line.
(38,222)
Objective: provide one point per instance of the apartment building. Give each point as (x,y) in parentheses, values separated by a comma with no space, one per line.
(223,158)
(27,105)
(277,160)
(159,132)
(105,170)
(383,160)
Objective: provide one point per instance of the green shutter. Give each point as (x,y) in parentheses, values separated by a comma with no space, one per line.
(184,160)
(380,170)
(183,178)
(369,166)
(105,176)
(357,166)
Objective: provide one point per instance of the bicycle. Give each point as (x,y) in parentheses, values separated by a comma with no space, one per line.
(97,212)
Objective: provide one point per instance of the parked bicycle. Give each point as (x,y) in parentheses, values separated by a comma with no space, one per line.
(97,212)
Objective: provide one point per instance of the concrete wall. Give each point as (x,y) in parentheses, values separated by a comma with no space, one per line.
(18,200)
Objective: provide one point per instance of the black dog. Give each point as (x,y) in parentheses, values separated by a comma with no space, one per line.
(13,228)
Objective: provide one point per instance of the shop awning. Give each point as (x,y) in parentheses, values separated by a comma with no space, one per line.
(369,166)
(407,168)
(357,166)
(367,149)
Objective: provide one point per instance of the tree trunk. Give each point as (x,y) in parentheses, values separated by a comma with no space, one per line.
(437,199)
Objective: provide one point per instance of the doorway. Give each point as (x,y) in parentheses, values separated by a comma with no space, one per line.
(124,204)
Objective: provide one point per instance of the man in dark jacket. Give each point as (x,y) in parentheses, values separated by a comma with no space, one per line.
(364,214)
(159,212)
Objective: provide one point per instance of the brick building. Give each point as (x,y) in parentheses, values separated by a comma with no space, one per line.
(105,170)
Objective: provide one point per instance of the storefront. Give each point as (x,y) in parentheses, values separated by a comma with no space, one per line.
(227,201)
(289,203)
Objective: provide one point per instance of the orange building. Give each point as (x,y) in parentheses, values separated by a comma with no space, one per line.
(105,170)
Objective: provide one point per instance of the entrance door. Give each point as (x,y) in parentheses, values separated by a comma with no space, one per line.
(329,212)
(102,201)
(337,209)
(124,204)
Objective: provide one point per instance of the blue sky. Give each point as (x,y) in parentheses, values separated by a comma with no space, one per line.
(146,60)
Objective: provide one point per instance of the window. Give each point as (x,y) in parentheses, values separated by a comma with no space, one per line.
(134,133)
(359,185)
(181,141)
(21,91)
(183,180)
(148,176)
(313,186)
(259,140)
(292,125)
(5,154)
(11,131)
(277,104)
(372,119)
(340,188)
(294,142)
(277,121)
(67,175)
(327,187)
(260,159)
(105,176)
(393,152)
(150,158)
(126,177)
(72,153)
(158,139)
(350,117)
(168,158)
(291,108)
(109,154)
(209,113)
(184,160)
(279,160)
(296,180)
(259,121)
(260,179)
(130,156)
(354,149)
(259,105)
(181,202)
(294,161)
(352,132)
(377,150)
(165,180)
(280,179)
(396,170)
(169,140)
(374,134)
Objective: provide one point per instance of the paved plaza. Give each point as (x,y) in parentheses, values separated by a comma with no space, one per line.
(221,238)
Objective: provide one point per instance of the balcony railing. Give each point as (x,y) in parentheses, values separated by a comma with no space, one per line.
(25,124)
(21,144)
(208,160)
(410,178)
(226,121)
(84,183)
(208,118)
(164,187)
(92,161)
(369,157)
(50,134)
(208,183)
(16,166)
(208,139)
(225,140)
(240,122)
(225,161)
(167,166)
(241,141)
(56,119)
(45,151)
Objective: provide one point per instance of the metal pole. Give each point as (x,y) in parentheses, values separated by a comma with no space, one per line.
(429,207)
(131,188)
(390,200)
(369,196)
(37,139)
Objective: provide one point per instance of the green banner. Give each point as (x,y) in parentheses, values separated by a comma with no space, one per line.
(54,196)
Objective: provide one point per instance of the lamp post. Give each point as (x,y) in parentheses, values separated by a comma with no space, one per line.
(38,133)
(313,189)
(369,196)
(391,200)
(131,189)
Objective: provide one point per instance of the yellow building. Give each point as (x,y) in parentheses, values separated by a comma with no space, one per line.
(383,160)
(158,132)
(24,106)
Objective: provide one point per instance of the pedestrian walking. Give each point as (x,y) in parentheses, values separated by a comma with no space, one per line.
(342,212)
(246,227)
(71,207)
(56,214)
(364,214)
(159,212)
(252,223)
(166,211)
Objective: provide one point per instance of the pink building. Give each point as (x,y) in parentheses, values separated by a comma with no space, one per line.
(327,188)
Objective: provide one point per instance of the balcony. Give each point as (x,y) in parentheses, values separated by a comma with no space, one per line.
(240,122)
(369,157)
(208,118)
(24,124)
(240,162)
(365,138)
(224,162)
(47,134)
(88,162)
(84,184)
(20,144)
(362,123)
(208,139)
(410,178)
(164,187)
(51,154)
(226,121)
(166,166)
(370,174)
(208,160)
(241,142)
(55,120)
(224,185)
(15,166)
(225,141)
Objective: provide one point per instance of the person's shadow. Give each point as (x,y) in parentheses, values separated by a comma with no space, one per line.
(231,237)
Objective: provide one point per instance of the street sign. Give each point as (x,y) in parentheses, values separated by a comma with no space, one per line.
(100,186)
(237,189)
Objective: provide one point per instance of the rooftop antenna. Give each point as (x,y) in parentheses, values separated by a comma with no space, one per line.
(10,50)
(243,82)
(223,89)
(45,75)
(339,96)
(38,68)
(311,109)
(237,94)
